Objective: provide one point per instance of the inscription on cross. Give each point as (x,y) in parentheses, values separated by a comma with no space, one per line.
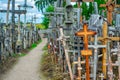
(85,33)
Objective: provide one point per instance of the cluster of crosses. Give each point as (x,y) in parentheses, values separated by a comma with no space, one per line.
(85,48)
(16,37)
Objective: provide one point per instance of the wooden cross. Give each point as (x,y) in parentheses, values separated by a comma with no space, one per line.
(85,33)
(101,76)
(104,40)
(66,53)
(78,68)
(110,8)
(96,46)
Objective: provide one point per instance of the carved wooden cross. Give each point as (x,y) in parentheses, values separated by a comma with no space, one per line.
(85,33)
(96,47)
(110,8)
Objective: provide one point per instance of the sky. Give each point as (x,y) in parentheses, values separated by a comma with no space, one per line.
(30,11)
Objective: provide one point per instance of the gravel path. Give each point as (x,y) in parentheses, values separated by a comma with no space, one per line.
(27,67)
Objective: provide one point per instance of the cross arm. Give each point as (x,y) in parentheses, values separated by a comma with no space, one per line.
(79,33)
(103,5)
(111,38)
(91,33)
(96,46)
(117,6)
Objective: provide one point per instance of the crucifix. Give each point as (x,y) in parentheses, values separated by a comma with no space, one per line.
(96,47)
(104,40)
(85,33)
(110,8)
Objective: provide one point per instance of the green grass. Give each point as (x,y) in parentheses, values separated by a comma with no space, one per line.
(34,45)
(19,55)
(45,47)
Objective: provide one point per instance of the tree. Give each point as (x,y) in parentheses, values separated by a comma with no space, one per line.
(99,2)
(41,4)
(85,10)
(46,19)
(118,1)
(90,9)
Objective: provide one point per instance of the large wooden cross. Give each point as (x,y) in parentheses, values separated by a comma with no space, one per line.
(104,40)
(110,8)
(85,33)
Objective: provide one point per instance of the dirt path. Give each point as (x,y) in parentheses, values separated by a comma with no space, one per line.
(28,66)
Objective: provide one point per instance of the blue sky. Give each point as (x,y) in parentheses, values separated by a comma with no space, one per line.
(30,12)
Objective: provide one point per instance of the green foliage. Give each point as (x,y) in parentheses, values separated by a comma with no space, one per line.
(41,4)
(118,1)
(45,22)
(85,10)
(40,26)
(45,47)
(99,2)
(46,19)
(33,45)
(75,6)
(64,3)
(50,8)
(19,55)
(90,9)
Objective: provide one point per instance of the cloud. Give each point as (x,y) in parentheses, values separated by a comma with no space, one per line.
(39,15)
(4,5)
(19,1)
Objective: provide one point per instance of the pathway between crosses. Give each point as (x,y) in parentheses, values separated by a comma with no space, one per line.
(27,67)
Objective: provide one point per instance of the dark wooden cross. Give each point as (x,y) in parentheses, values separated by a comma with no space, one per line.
(110,5)
(85,33)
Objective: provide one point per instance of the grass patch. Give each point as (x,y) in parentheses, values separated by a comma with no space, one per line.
(7,65)
(34,45)
(50,70)
(19,55)
(45,47)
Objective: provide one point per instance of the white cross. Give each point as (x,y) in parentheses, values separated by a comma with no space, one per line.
(96,46)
